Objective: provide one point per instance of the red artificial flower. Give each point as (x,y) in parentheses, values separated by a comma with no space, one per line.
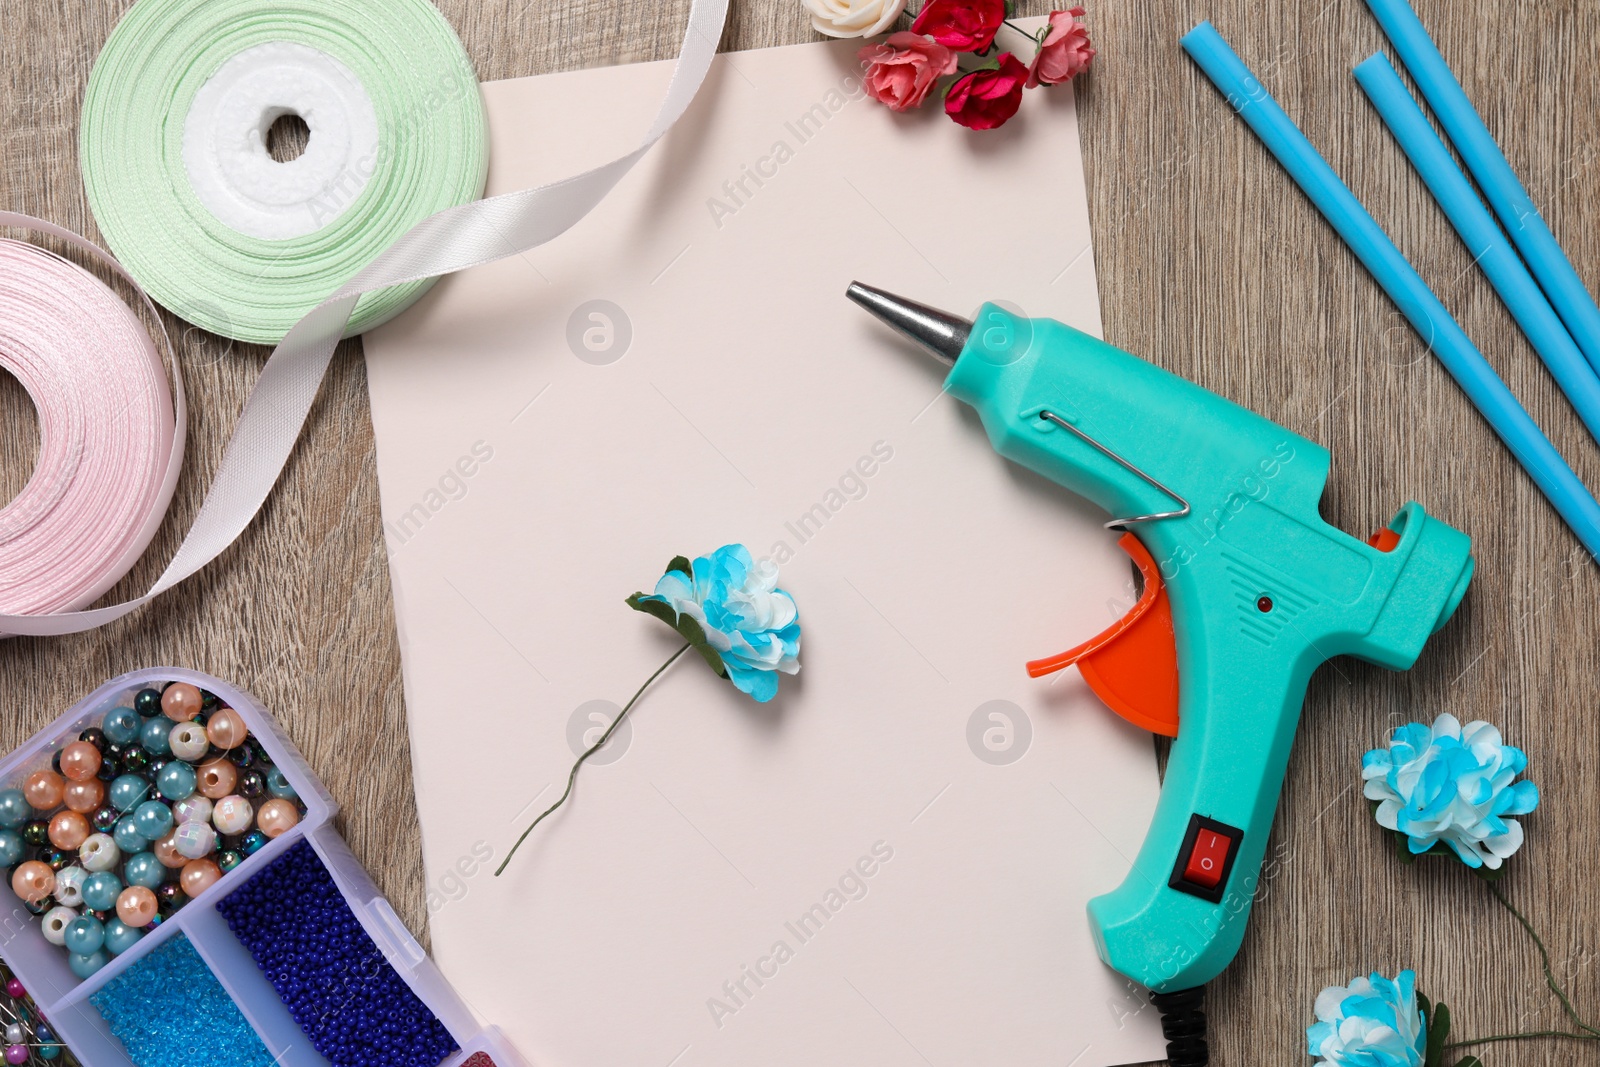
(901,71)
(1066,51)
(985,99)
(961,25)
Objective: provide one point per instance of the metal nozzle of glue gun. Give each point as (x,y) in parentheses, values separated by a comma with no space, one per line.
(1247,591)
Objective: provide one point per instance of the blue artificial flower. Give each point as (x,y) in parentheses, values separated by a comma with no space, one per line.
(1371,1023)
(730,608)
(1452,784)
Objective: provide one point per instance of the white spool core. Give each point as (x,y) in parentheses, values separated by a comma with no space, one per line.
(225,141)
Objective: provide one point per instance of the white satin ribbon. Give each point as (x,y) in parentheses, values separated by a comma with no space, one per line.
(467,236)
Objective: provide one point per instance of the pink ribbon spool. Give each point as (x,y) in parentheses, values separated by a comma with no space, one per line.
(110,434)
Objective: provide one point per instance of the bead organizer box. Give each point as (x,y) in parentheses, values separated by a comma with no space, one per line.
(298,959)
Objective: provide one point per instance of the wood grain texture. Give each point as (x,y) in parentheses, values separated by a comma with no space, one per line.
(1210,264)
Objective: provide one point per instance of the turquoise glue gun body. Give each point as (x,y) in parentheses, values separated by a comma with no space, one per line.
(1259,591)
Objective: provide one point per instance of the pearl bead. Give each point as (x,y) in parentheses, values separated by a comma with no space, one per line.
(14,808)
(226,728)
(84,935)
(153,736)
(193,808)
(136,906)
(12,848)
(128,791)
(199,876)
(144,869)
(176,780)
(14,1034)
(121,725)
(217,778)
(16,1054)
(80,761)
(232,815)
(148,702)
(194,840)
(152,819)
(84,796)
(100,891)
(43,789)
(83,967)
(33,881)
(68,830)
(55,922)
(14,989)
(120,937)
(188,741)
(278,785)
(99,853)
(69,885)
(181,701)
(127,836)
(166,851)
(277,816)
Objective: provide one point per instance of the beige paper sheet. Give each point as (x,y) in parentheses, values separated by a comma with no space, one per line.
(889,863)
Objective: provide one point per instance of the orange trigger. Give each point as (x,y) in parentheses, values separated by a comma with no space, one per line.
(1133,665)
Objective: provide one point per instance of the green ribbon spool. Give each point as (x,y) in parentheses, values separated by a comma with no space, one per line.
(173,151)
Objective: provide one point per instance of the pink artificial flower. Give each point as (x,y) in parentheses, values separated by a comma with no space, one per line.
(1066,51)
(901,71)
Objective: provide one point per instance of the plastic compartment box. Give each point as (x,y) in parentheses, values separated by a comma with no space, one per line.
(64,998)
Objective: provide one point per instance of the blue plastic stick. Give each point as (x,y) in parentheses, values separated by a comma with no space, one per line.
(1522,295)
(1494,175)
(1404,286)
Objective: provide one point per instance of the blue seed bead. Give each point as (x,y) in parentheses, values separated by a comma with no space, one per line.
(128,791)
(127,836)
(153,736)
(14,808)
(100,890)
(176,780)
(120,937)
(278,785)
(144,869)
(84,935)
(153,819)
(121,725)
(12,848)
(84,966)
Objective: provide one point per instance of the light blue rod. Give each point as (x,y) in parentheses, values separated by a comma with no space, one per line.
(1404,286)
(1494,175)
(1522,295)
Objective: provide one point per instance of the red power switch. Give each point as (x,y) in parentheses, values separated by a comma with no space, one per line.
(1208,859)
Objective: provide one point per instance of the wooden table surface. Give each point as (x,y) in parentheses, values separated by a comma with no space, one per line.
(1212,265)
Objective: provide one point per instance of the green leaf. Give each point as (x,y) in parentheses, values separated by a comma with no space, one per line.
(1438,1032)
(681,563)
(655,608)
(692,633)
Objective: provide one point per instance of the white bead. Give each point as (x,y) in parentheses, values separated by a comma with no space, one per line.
(54,924)
(232,815)
(98,853)
(188,741)
(193,808)
(194,840)
(69,885)
(14,1034)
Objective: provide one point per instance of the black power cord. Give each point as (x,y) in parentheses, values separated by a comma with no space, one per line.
(1183,1024)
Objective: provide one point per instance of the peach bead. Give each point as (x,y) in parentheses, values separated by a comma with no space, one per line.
(226,728)
(79,761)
(276,816)
(181,702)
(216,779)
(33,881)
(68,830)
(166,851)
(232,815)
(84,797)
(43,790)
(198,876)
(136,906)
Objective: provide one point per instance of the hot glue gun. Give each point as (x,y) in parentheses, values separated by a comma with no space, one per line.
(1246,590)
